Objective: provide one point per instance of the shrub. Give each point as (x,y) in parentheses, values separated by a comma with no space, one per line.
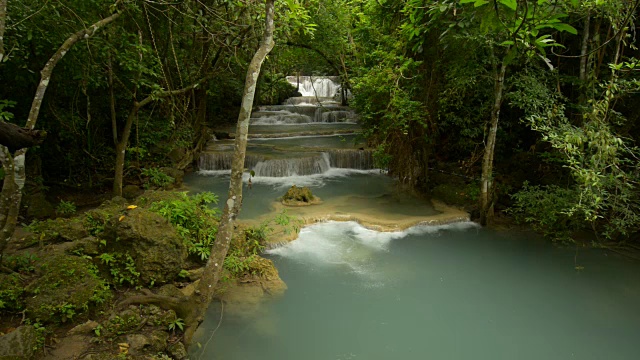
(196,221)
(66,208)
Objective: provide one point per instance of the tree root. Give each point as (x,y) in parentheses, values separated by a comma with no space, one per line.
(179,305)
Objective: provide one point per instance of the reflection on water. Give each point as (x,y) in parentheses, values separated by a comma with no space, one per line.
(451,292)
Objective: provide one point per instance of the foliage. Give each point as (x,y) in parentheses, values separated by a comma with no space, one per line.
(178,323)
(602,163)
(195,219)
(121,267)
(66,208)
(155,177)
(547,210)
(11,293)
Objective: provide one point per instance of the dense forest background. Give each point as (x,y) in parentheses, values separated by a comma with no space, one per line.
(529,106)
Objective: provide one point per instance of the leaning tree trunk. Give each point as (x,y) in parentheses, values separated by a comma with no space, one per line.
(486,185)
(13,183)
(213,269)
(3,23)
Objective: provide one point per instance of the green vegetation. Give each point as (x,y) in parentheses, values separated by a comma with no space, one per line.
(195,220)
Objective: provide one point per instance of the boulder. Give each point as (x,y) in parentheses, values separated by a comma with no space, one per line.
(177,351)
(153,243)
(176,174)
(19,344)
(66,287)
(131,191)
(38,207)
(299,196)
(84,328)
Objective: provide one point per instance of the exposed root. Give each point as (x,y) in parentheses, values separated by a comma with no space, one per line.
(179,305)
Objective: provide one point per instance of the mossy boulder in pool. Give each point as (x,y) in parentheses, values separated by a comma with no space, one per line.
(299,196)
(67,286)
(152,242)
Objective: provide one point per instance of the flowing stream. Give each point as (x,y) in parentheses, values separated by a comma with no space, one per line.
(454,291)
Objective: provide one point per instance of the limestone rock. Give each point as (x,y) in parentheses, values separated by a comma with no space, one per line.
(299,196)
(158,340)
(38,207)
(195,274)
(137,343)
(85,328)
(177,351)
(18,344)
(131,191)
(157,250)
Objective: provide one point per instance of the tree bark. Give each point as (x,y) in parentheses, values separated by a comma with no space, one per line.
(121,146)
(3,26)
(16,138)
(584,48)
(486,185)
(47,71)
(214,266)
(14,169)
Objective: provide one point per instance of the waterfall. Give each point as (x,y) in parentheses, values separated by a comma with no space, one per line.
(352,159)
(279,117)
(334,114)
(223,160)
(291,167)
(325,86)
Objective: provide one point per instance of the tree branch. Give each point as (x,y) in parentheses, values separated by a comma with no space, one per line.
(16,138)
(53,61)
(323,55)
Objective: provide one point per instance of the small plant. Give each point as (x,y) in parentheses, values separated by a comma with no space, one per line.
(95,223)
(21,263)
(121,267)
(66,208)
(177,323)
(195,221)
(157,178)
(183,274)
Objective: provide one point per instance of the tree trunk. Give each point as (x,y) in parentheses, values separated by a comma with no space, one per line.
(3,26)
(213,269)
(486,186)
(9,200)
(15,177)
(583,58)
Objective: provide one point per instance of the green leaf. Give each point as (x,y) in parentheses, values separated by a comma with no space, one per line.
(479,3)
(511,4)
(565,27)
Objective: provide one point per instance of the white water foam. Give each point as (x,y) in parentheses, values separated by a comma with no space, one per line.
(316,180)
(351,245)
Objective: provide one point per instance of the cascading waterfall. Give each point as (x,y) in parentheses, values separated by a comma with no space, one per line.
(352,159)
(325,86)
(223,160)
(318,109)
(299,166)
(293,167)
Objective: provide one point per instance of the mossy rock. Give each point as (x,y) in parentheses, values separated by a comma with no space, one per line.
(299,196)
(67,286)
(58,230)
(11,290)
(157,250)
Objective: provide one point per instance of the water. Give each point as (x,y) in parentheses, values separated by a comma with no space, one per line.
(452,292)
(441,292)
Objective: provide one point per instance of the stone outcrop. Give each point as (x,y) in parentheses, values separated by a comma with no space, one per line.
(153,243)
(19,344)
